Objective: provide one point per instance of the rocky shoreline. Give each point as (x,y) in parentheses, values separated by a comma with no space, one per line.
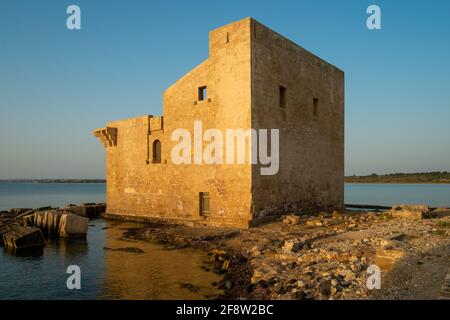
(323,256)
(318,256)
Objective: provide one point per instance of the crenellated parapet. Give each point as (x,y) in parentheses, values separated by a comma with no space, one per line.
(108,136)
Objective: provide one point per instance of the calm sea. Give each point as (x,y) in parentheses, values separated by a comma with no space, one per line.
(434,195)
(31,195)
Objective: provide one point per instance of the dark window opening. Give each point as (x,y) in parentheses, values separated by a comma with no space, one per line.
(156,151)
(202,93)
(315,109)
(204,203)
(282,97)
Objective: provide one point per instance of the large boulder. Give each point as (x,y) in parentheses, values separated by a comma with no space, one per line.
(415,212)
(73,226)
(292,219)
(24,238)
(292,245)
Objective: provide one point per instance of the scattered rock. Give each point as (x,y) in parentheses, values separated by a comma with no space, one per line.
(314,223)
(325,287)
(225,265)
(398,237)
(415,212)
(336,214)
(292,219)
(292,246)
(189,286)
(323,214)
(126,249)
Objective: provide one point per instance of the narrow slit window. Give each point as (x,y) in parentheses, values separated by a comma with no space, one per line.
(316,109)
(282,101)
(204,204)
(156,151)
(202,93)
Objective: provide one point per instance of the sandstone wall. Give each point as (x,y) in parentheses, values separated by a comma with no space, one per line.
(135,187)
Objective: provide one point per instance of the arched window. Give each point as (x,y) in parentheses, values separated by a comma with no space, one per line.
(156,151)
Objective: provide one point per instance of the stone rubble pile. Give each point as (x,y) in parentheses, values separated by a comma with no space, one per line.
(327,256)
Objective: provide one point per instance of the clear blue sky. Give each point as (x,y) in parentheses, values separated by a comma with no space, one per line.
(57,85)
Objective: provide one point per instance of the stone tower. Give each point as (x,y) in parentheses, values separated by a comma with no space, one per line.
(253,78)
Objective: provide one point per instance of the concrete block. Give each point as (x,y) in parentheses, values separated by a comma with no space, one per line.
(86,210)
(24,238)
(7,226)
(73,226)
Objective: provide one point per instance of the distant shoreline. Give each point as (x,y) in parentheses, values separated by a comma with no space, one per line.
(402,178)
(52,180)
(394,178)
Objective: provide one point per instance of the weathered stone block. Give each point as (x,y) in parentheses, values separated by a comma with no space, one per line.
(73,226)
(28,220)
(86,210)
(24,238)
(48,221)
(386,258)
(7,226)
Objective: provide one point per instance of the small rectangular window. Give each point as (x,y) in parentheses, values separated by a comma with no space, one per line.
(282,97)
(204,203)
(202,93)
(316,109)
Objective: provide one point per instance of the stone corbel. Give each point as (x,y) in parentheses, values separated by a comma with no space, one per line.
(108,136)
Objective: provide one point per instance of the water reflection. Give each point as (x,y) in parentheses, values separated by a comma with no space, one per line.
(29,252)
(154,274)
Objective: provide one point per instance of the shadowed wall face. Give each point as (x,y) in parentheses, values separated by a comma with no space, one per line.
(303,96)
